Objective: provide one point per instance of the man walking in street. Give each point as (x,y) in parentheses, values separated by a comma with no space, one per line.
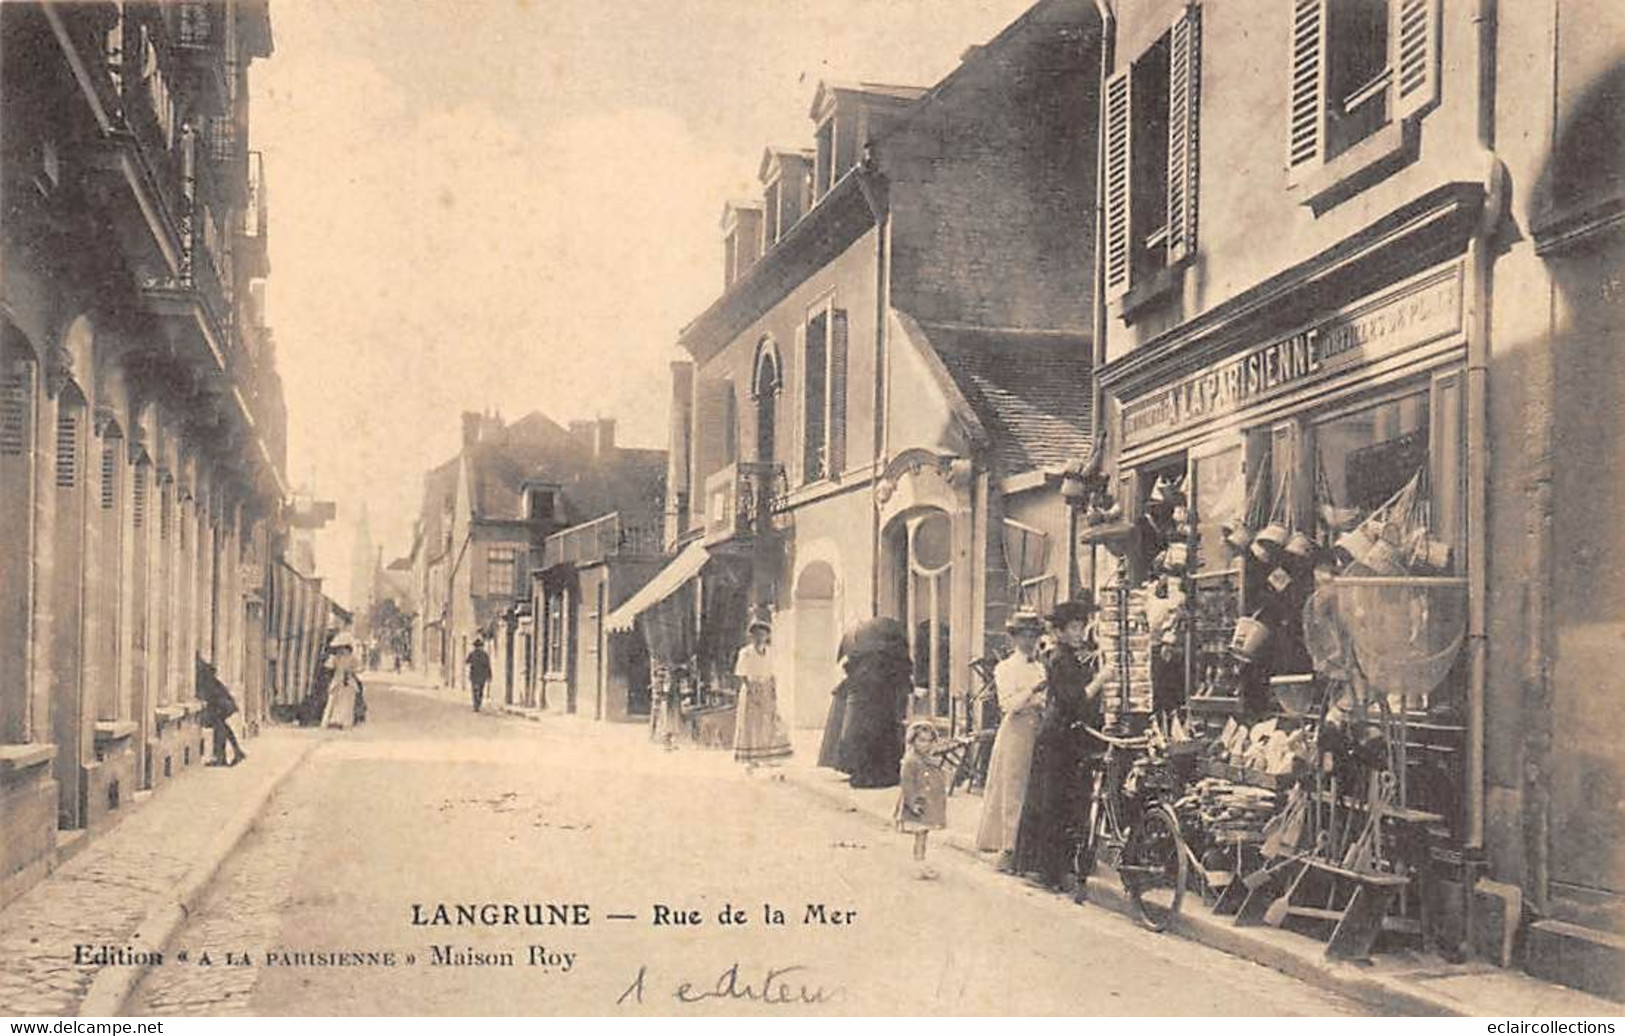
(479,671)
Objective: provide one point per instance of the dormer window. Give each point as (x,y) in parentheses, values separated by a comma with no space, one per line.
(824,175)
(786,177)
(541,504)
(741,239)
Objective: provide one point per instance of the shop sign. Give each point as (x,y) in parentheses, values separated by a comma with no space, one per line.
(1348,339)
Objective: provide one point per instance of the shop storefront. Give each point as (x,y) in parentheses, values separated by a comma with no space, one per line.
(1285,586)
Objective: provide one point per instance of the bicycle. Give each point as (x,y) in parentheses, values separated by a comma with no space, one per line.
(1135,830)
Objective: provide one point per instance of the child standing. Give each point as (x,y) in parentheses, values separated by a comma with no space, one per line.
(922,800)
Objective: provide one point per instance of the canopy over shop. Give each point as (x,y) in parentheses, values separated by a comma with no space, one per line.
(692,617)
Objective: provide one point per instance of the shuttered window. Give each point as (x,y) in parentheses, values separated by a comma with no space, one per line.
(1151,124)
(814,402)
(109,475)
(16,408)
(836,426)
(138,502)
(67,448)
(1307,95)
(1356,66)
(1184,97)
(1119,136)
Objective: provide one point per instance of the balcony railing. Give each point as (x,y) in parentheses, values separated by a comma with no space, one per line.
(742,500)
(598,540)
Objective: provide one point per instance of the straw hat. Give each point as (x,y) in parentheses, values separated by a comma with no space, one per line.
(1024,621)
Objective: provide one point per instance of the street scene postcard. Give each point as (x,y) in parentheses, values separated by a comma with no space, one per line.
(787,508)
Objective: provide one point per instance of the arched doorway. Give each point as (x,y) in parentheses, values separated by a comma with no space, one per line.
(816,634)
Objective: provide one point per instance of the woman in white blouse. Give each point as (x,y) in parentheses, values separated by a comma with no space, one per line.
(1020,682)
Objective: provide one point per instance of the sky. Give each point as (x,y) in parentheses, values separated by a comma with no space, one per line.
(513,205)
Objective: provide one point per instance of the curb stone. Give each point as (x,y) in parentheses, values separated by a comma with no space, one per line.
(1104,891)
(111,989)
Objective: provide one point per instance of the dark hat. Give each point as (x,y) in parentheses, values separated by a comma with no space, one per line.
(479,641)
(1068,611)
(1024,621)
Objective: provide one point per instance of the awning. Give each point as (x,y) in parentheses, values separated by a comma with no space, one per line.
(685,566)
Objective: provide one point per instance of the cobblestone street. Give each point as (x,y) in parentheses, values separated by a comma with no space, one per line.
(100,896)
(429,803)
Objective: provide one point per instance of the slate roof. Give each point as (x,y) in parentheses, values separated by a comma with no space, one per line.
(1030,389)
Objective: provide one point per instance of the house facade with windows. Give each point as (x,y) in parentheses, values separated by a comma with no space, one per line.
(1349,244)
(487,514)
(142,425)
(877,408)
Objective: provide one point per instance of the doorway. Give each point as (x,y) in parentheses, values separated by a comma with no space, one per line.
(816,671)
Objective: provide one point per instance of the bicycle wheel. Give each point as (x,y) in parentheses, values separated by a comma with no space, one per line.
(1085,849)
(1154,867)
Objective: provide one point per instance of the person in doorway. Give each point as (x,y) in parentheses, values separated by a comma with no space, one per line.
(218,708)
(760,738)
(829,748)
(1020,680)
(922,792)
(1055,814)
(344,688)
(479,671)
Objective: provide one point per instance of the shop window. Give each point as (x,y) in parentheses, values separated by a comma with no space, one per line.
(1359,71)
(499,571)
(1150,122)
(1366,457)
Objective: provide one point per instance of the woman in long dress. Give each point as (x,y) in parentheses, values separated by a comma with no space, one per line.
(879,681)
(341,692)
(1020,683)
(1055,814)
(829,749)
(760,738)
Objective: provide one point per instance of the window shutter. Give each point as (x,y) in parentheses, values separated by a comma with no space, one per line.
(109,473)
(1413,36)
(1306,129)
(1118,241)
(814,371)
(1184,93)
(16,409)
(798,419)
(837,393)
(712,407)
(67,449)
(138,505)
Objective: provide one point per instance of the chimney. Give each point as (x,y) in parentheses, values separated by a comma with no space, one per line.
(677,454)
(472,424)
(606,438)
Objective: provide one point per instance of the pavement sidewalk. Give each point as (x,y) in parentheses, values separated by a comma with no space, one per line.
(1414,982)
(130,886)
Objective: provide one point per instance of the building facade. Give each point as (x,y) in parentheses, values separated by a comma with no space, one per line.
(486,515)
(141,418)
(879,404)
(1435,305)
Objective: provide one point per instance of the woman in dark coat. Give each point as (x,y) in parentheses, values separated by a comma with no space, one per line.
(878,680)
(829,749)
(1055,815)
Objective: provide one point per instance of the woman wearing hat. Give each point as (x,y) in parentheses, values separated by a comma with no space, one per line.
(341,693)
(759,735)
(1020,683)
(1055,814)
